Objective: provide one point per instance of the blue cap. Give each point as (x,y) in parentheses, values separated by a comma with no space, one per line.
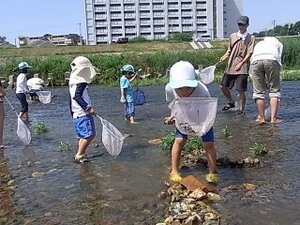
(23,65)
(128,68)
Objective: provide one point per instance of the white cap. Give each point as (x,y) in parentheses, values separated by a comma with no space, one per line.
(82,71)
(182,74)
(23,65)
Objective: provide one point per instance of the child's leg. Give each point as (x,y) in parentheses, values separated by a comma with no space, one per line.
(82,145)
(209,147)
(211,155)
(176,153)
(85,128)
(131,112)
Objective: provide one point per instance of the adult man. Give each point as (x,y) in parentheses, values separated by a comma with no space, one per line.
(265,73)
(239,51)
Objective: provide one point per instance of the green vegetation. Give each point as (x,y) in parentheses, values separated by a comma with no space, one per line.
(285,30)
(64,146)
(226,132)
(259,149)
(40,128)
(193,144)
(154,57)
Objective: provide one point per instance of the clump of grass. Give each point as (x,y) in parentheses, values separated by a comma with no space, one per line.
(259,149)
(40,128)
(167,141)
(226,132)
(64,146)
(193,144)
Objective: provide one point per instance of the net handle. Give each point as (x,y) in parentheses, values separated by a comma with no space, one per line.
(11,106)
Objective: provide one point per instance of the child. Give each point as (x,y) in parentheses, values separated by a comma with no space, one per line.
(183,83)
(128,75)
(82,112)
(22,89)
(35,84)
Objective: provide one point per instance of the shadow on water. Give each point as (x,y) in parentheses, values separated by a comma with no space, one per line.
(50,189)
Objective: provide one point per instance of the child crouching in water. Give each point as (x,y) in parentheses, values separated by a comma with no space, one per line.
(183,84)
(82,74)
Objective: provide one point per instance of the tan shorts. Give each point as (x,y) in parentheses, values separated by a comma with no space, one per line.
(265,77)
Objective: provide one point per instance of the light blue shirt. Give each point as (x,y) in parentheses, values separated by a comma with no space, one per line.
(125,84)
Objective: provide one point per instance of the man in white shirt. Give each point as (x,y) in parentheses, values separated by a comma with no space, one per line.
(265,73)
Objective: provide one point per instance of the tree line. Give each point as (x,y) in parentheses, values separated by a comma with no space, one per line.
(285,30)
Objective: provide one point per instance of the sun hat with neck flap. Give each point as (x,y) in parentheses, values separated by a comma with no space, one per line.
(83,71)
(182,74)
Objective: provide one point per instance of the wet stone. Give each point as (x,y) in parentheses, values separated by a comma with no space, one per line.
(37,174)
(11,183)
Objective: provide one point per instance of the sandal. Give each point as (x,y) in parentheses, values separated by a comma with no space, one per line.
(228,106)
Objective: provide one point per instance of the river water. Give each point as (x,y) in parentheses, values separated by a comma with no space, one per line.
(48,188)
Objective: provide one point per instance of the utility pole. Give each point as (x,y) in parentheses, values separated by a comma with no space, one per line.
(274,24)
(79,24)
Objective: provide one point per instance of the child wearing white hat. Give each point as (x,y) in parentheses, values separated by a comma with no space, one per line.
(22,89)
(82,74)
(183,84)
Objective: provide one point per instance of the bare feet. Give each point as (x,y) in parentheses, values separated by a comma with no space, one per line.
(260,121)
(275,120)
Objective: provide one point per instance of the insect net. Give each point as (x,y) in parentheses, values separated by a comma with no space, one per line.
(44,96)
(112,138)
(194,115)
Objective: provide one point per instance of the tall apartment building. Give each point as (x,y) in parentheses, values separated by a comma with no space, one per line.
(108,20)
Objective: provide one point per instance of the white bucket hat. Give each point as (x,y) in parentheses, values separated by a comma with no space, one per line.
(182,74)
(82,71)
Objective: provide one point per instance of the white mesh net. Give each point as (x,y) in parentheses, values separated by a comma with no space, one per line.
(112,138)
(23,132)
(44,96)
(194,115)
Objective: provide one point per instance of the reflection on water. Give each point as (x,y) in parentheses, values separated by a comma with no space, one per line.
(51,189)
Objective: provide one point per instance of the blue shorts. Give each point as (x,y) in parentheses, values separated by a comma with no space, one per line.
(208,137)
(129,110)
(85,126)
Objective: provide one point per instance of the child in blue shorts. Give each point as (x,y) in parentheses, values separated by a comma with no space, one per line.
(183,83)
(82,112)
(128,75)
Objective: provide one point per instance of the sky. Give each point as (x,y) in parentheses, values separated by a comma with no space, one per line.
(38,17)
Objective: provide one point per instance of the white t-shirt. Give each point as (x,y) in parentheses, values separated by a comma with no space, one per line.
(269,48)
(21,84)
(200,91)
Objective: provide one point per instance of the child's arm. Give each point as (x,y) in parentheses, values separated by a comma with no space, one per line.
(133,78)
(123,99)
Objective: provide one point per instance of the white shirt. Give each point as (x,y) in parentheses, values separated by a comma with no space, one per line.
(269,48)
(35,84)
(21,84)
(200,91)
(78,108)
